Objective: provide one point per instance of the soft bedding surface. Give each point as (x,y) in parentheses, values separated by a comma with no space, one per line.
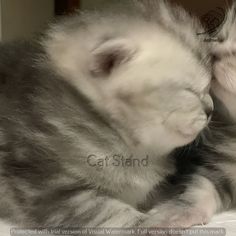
(226,220)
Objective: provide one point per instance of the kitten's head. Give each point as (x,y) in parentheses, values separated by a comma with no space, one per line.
(149,82)
(224,61)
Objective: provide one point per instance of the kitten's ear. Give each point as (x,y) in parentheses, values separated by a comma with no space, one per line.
(109,55)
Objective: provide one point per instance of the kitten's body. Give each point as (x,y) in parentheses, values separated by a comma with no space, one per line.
(94,90)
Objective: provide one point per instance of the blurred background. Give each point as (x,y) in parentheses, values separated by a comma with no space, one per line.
(23,18)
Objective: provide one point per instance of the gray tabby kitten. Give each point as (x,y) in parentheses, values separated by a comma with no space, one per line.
(89,117)
(205,182)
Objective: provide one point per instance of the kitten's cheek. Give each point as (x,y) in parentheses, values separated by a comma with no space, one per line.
(217,89)
(225,75)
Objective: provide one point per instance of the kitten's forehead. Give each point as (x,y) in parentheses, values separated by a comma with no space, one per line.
(169,35)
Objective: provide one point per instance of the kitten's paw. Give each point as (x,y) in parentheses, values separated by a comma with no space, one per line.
(176,217)
(176,223)
(185,219)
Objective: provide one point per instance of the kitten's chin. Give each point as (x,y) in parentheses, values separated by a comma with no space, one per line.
(186,129)
(164,140)
(187,138)
(183,139)
(176,139)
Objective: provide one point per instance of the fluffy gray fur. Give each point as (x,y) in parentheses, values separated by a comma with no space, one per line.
(99,86)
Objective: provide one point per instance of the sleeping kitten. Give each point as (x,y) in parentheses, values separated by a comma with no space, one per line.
(205,183)
(100,92)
